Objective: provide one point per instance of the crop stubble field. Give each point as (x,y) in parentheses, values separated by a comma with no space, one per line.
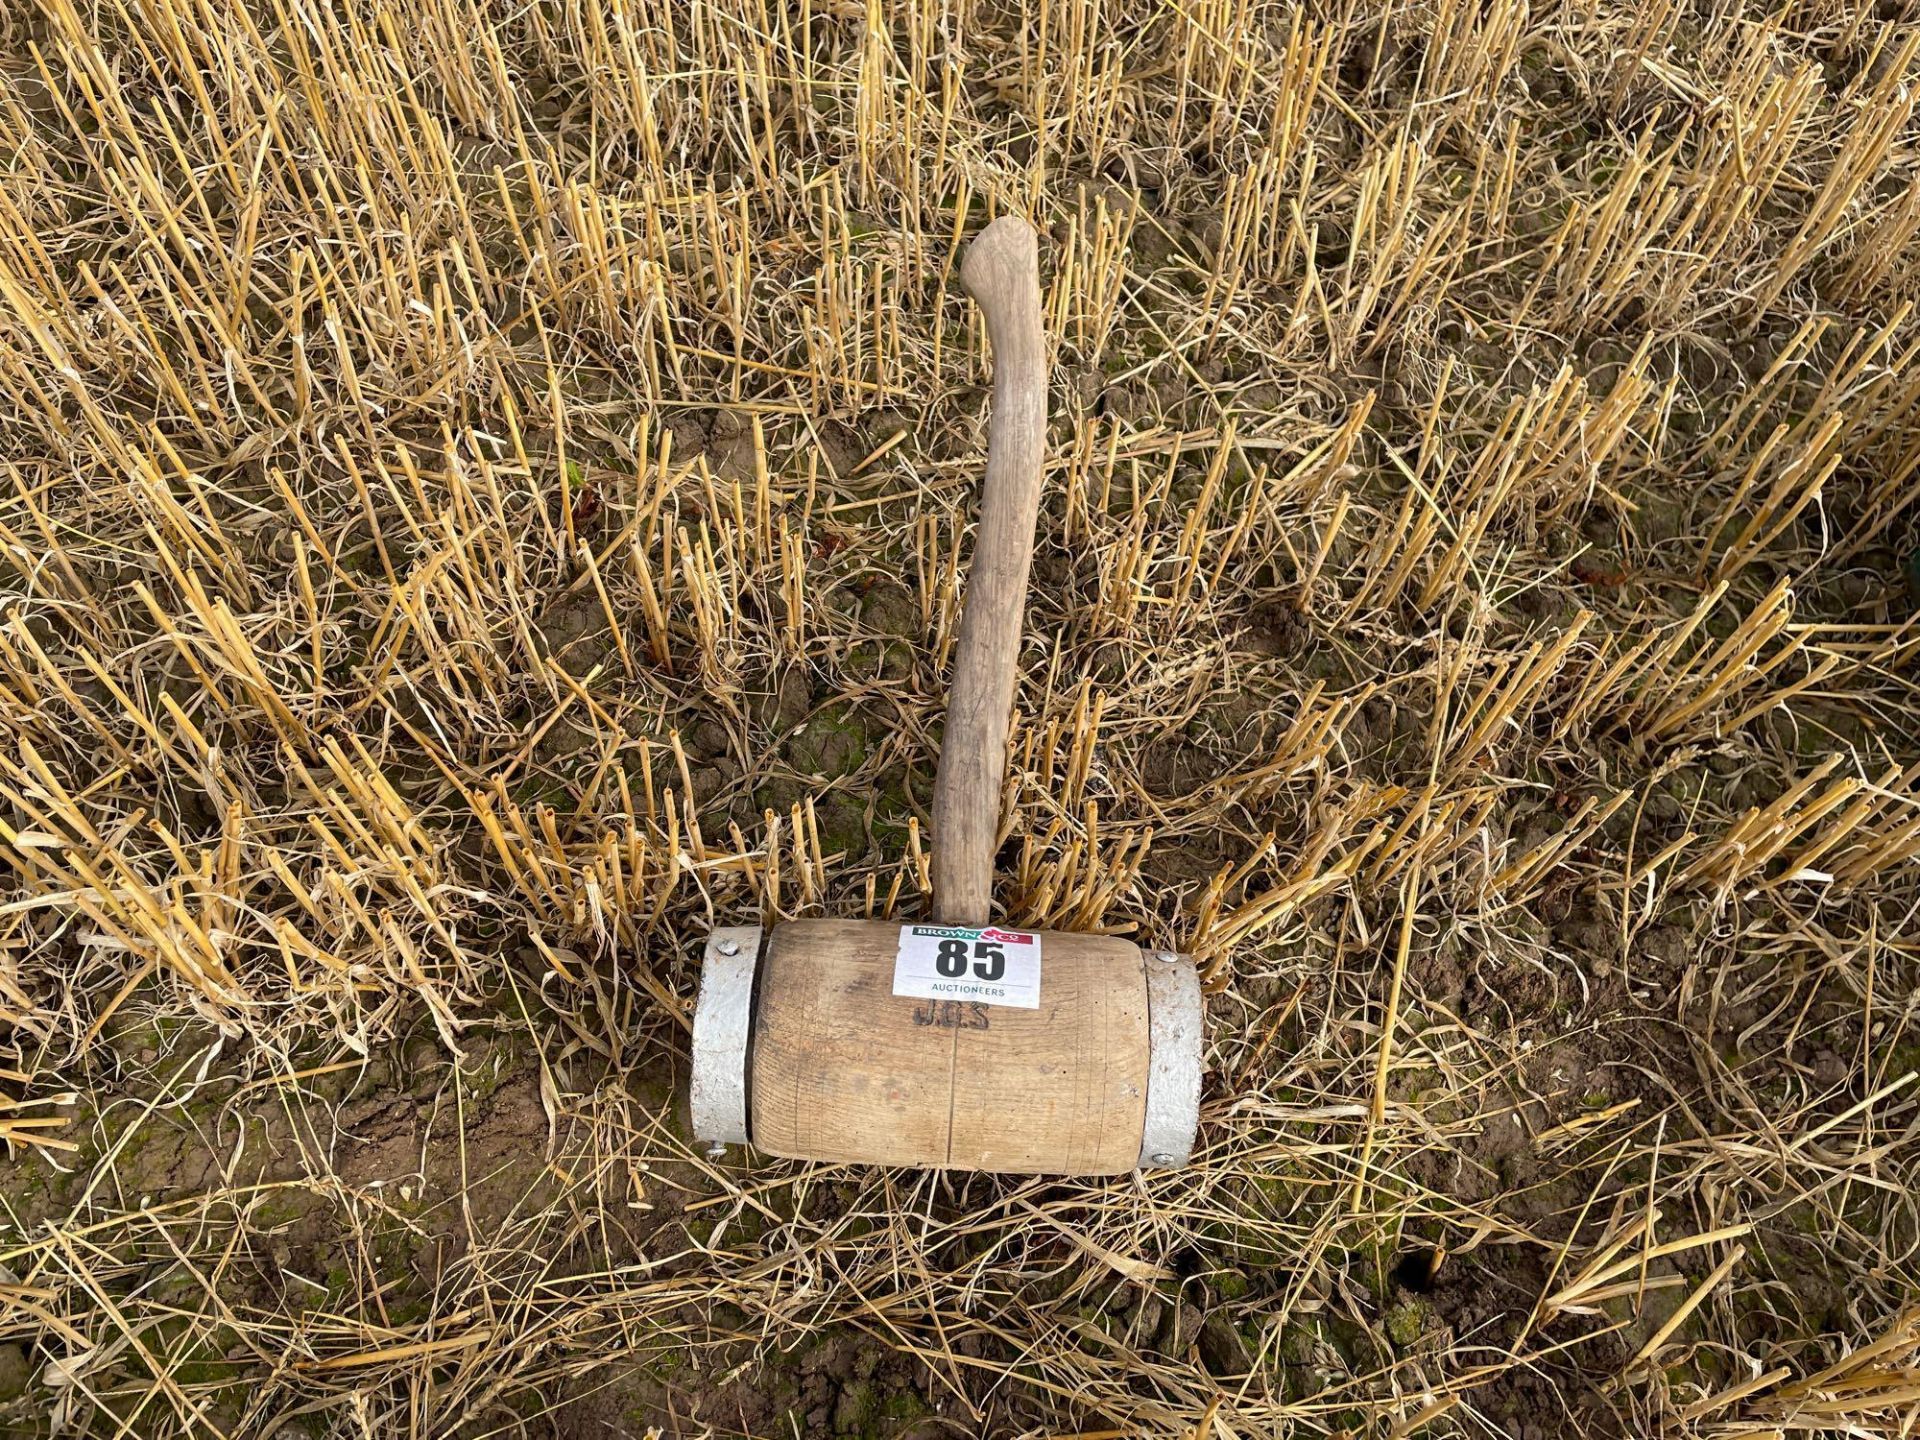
(482,492)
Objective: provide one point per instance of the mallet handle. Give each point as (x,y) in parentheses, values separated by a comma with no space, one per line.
(1001,272)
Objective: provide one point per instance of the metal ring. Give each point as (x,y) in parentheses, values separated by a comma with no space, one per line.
(722,1023)
(1176,1016)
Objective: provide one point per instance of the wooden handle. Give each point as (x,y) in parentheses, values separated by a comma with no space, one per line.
(1002,273)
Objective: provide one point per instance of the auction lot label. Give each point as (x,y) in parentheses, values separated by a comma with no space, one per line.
(949,962)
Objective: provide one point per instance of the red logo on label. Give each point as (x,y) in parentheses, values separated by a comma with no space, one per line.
(1011,937)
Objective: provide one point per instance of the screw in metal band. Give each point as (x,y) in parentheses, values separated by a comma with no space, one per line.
(728,947)
(1163,1159)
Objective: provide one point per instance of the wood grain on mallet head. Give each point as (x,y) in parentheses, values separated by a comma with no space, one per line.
(1001,272)
(845,1070)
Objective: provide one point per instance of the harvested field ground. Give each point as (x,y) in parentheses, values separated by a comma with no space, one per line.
(483,487)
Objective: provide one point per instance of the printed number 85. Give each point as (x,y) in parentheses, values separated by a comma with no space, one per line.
(989,960)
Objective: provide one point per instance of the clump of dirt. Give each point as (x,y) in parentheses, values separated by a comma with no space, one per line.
(842,1385)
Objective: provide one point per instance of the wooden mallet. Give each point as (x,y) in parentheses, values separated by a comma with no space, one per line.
(959,1043)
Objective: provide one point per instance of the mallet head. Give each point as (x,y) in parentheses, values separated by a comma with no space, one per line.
(979,1048)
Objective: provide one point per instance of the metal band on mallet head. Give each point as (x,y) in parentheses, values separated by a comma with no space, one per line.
(1176,1018)
(722,1030)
